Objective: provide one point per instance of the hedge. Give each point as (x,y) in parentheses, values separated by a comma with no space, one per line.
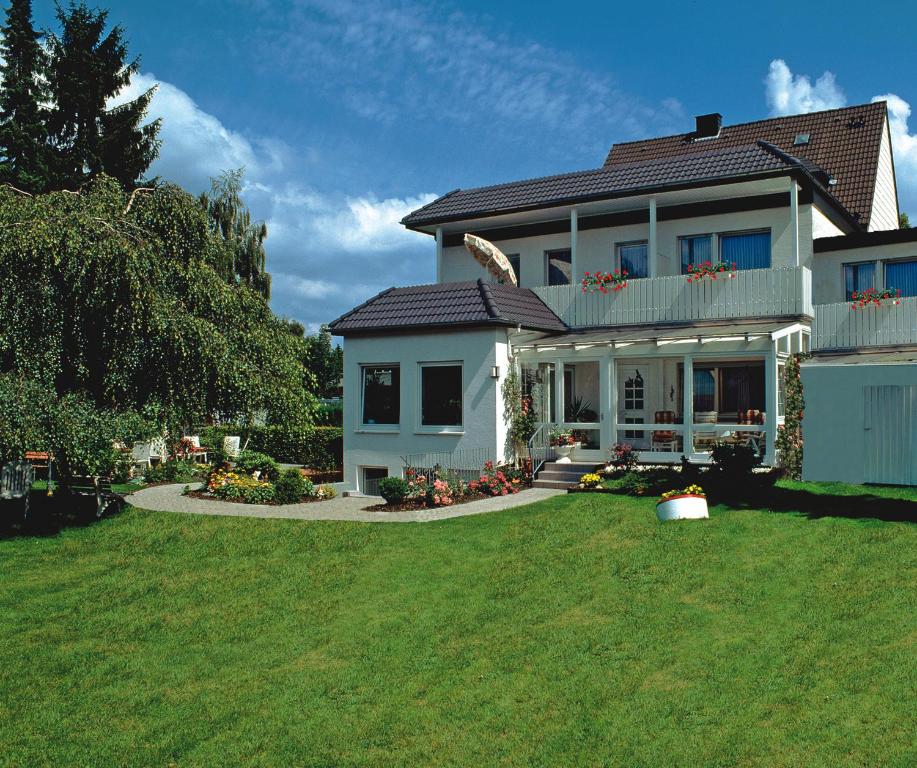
(319,447)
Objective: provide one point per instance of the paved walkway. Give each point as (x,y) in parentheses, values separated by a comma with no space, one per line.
(169,498)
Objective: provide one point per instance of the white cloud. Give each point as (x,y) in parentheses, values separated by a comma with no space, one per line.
(789,94)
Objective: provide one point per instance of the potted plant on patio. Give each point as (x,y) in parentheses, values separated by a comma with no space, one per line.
(563,442)
(687,504)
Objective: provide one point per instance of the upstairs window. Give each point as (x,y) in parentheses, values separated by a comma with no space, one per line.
(747,250)
(695,249)
(558,267)
(381,394)
(513,259)
(441,395)
(633,258)
(858,277)
(902,275)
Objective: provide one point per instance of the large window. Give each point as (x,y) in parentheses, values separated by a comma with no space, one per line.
(441,395)
(633,258)
(902,275)
(381,394)
(513,259)
(859,277)
(694,250)
(747,250)
(729,389)
(558,267)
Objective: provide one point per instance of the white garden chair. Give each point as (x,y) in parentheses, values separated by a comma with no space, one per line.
(231,446)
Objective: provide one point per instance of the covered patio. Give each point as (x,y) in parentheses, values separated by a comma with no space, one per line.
(636,384)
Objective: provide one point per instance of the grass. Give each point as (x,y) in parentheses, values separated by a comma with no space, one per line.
(576,631)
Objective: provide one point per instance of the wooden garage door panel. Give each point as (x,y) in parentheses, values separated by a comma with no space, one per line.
(890,429)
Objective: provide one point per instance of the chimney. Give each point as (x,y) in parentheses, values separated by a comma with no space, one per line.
(708,126)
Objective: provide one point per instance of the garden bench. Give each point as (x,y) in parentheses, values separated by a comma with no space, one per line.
(16,480)
(99,488)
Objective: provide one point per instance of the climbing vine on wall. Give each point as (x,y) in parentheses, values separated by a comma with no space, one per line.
(789,434)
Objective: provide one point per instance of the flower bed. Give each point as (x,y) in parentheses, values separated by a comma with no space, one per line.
(227,483)
(444,489)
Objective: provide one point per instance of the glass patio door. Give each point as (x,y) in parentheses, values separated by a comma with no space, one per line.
(581,407)
(632,404)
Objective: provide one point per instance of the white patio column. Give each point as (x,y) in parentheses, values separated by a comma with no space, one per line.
(611,368)
(559,397)
(651,255)
(439,254)
(770,402)
(574,231)
(794,219)
(687,407)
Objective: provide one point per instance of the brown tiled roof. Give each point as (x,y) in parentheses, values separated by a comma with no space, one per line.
(448,304)
(845,142)
(617,180)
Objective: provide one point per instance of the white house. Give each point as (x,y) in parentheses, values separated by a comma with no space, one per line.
(804,206)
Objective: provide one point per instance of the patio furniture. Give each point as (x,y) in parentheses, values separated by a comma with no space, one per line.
(664,440)
(753,439)
(40,460)
(231,446)
(16,480)
(195,452)
(97,488)
(144,454)
(705,439)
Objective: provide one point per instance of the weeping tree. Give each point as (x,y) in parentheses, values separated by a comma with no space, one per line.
(119,301)
(232,221)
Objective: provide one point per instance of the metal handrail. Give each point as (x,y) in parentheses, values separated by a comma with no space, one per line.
(540,448)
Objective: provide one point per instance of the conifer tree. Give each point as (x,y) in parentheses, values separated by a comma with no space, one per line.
(23,132)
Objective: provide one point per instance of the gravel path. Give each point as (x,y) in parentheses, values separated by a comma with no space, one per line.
(169,498)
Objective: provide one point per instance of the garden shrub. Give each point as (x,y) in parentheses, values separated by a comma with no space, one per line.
(317,447)
(291,487)
(789,434)
(170,471)
(325,491)
(736,462)
(393,489)
(232,486)
(250,462)
(623,457)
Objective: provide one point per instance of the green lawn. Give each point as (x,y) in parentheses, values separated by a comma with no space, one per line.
(577,631)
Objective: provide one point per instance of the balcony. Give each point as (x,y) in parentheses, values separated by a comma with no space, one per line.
(753,293)
(837,326)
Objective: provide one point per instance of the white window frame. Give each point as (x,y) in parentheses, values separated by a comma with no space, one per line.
(438,429)
(714,245)
(875,276)
(385,428)
(628,243)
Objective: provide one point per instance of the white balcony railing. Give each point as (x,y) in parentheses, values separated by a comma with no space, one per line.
(837,326)
(778,292)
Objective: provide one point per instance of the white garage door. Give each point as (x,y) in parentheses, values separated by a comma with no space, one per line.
(891,434)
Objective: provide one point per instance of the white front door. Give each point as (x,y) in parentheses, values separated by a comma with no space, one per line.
(633,397)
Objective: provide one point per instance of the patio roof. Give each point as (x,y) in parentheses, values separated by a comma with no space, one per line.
(665,335)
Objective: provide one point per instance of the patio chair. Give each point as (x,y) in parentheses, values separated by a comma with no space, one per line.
(753,439)
(705,439)
(231,446)
(98,489)
(664,440)
(16,480)
(144,454)
(196,453)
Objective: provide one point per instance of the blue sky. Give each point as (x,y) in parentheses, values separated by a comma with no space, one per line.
(347,115)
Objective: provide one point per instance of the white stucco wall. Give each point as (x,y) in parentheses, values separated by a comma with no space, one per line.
(822,226)
(833,427)
(828,273)
(482,407)
(885,200)
(596,248)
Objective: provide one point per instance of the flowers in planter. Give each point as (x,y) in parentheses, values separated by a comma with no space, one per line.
(691,490)
(697,272)
(602,281)
(590,480)
(873,296)
(561,437)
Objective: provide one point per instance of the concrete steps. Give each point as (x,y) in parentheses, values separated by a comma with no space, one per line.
(554,475)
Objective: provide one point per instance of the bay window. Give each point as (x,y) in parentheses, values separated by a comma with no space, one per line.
(441,394)
(381,402)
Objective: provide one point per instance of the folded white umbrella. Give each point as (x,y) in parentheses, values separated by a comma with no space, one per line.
(491,258)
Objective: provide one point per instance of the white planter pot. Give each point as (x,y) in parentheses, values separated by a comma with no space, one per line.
(682,508)
(563,453)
